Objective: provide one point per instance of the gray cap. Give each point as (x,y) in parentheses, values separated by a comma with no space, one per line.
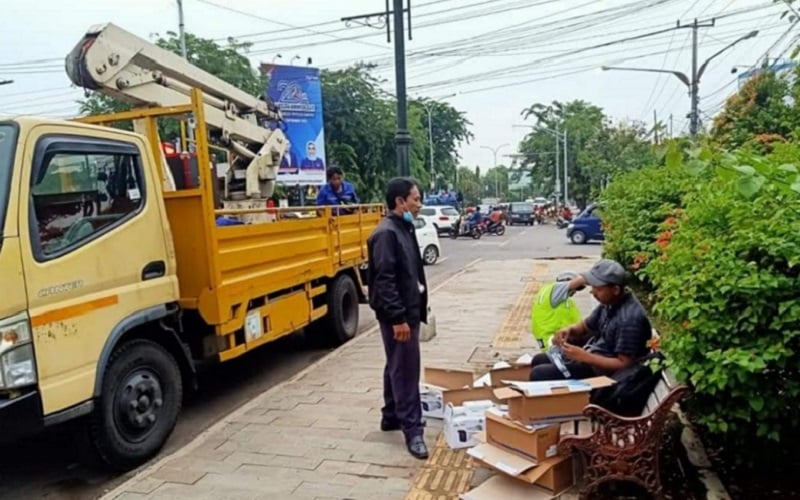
(605,272)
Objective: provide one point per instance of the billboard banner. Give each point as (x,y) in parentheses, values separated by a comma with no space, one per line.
(297,91)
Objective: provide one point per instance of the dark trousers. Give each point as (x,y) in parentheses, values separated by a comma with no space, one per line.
(543,369)
(401,381)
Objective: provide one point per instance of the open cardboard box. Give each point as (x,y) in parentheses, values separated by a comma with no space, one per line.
(554,474)
(534,444)
(549,401)
(443,386)
(503,487)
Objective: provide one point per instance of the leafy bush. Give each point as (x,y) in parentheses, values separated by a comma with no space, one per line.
(726,282)
(634,205)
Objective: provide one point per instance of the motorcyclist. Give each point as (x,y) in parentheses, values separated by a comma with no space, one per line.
(495,218)
(474,219)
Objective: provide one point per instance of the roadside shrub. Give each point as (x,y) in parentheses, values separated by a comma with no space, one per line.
(726,278)
(634,206)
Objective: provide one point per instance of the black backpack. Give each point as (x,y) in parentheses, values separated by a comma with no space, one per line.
(629,395)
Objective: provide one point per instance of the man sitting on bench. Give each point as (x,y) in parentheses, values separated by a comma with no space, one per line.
(611,338)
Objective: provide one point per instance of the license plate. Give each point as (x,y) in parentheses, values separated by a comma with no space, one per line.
(253,326)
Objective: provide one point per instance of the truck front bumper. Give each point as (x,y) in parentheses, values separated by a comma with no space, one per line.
(20,416)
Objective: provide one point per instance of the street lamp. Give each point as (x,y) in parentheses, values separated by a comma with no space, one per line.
(559,135)
(494,153)
(277,56)
(694,82)
(428,109)
(291,63)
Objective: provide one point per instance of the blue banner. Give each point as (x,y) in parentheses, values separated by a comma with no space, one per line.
(297,91)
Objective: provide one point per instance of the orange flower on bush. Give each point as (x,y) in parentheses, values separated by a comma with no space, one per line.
(686,324)
(664,239)
(654,343)
(670,221)
(639,260)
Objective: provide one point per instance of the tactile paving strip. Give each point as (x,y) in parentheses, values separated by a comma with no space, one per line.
(446,474)
(509,336)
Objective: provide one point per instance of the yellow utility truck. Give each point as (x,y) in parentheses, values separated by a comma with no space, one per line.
(118,282)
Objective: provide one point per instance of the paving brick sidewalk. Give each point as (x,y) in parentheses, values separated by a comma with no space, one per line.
(316,436)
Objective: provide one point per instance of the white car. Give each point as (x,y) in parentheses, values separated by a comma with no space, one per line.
(441,217)
(428,239)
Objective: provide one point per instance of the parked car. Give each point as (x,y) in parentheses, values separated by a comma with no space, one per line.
(441,217)
(428,239)
(586,226)
(520,212)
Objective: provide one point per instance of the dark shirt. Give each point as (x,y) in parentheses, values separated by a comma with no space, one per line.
(622,328)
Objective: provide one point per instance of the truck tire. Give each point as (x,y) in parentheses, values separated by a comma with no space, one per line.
(341,323)
(138,407)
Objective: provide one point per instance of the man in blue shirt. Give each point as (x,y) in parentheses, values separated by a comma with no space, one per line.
(337,191)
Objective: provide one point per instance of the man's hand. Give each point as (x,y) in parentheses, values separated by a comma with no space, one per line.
(402,332)
(574,352)
(560,337)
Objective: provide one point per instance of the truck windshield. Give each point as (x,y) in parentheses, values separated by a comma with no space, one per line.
(8,143)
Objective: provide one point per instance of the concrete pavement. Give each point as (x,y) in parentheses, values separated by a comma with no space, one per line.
(316,435)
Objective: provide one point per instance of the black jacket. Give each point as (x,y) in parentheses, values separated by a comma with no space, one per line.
(395,273)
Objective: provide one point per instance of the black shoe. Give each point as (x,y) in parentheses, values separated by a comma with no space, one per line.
(416,446)
(389,425)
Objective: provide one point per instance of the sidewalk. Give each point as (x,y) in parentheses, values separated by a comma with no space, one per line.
(316,436)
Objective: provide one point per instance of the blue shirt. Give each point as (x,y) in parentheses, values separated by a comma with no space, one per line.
(315,164)
(345,196)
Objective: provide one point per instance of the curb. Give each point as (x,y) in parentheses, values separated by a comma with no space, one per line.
(698,457)
(201,438)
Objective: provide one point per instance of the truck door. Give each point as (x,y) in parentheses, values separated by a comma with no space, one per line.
(94,250)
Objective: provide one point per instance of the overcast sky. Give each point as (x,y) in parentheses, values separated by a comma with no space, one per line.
(498,56)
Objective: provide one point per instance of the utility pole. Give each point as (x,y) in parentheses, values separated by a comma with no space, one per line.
(402,137)
(184,53)
(566,165)
(655,127)
(692,81)
(670,125)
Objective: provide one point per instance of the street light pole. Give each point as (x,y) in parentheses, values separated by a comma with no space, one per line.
(494,154)
(559,135)
(692,83)
(185,54)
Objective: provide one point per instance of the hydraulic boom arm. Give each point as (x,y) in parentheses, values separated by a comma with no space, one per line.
(117,63)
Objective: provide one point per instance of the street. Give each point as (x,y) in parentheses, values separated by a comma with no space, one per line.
(48,465)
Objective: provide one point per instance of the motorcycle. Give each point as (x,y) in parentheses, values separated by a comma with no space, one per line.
(496,228)
(462,229)
(562,222)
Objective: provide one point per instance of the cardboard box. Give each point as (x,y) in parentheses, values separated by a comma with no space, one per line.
(554,474)
(446,386)
(462,424)
(549,401)
(536,444)
(520,373)
(503,487)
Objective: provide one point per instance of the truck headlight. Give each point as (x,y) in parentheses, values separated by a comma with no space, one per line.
(17,367)
(570,225)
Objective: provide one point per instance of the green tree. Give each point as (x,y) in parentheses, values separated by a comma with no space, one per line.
(469,184)
(759,114)
(495,183)
(582,121)
(449,128)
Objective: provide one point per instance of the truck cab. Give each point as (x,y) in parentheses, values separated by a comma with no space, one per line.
(587,226)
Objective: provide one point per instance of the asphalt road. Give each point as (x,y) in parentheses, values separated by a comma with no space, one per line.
(49,465)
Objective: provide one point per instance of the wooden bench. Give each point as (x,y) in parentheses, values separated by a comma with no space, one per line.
(626,448)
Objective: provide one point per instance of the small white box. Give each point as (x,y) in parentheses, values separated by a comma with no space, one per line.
(462,425)
(431,400)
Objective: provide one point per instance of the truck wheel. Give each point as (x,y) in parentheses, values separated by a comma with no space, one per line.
(141,397)
(341,323)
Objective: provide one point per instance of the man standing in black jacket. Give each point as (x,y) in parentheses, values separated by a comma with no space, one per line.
(399,296)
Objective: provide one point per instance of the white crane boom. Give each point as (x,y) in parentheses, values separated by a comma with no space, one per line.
(119,64)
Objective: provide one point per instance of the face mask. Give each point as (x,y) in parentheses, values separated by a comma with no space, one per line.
(407,216)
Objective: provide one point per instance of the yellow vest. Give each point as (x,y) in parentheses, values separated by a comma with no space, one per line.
(546,320)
